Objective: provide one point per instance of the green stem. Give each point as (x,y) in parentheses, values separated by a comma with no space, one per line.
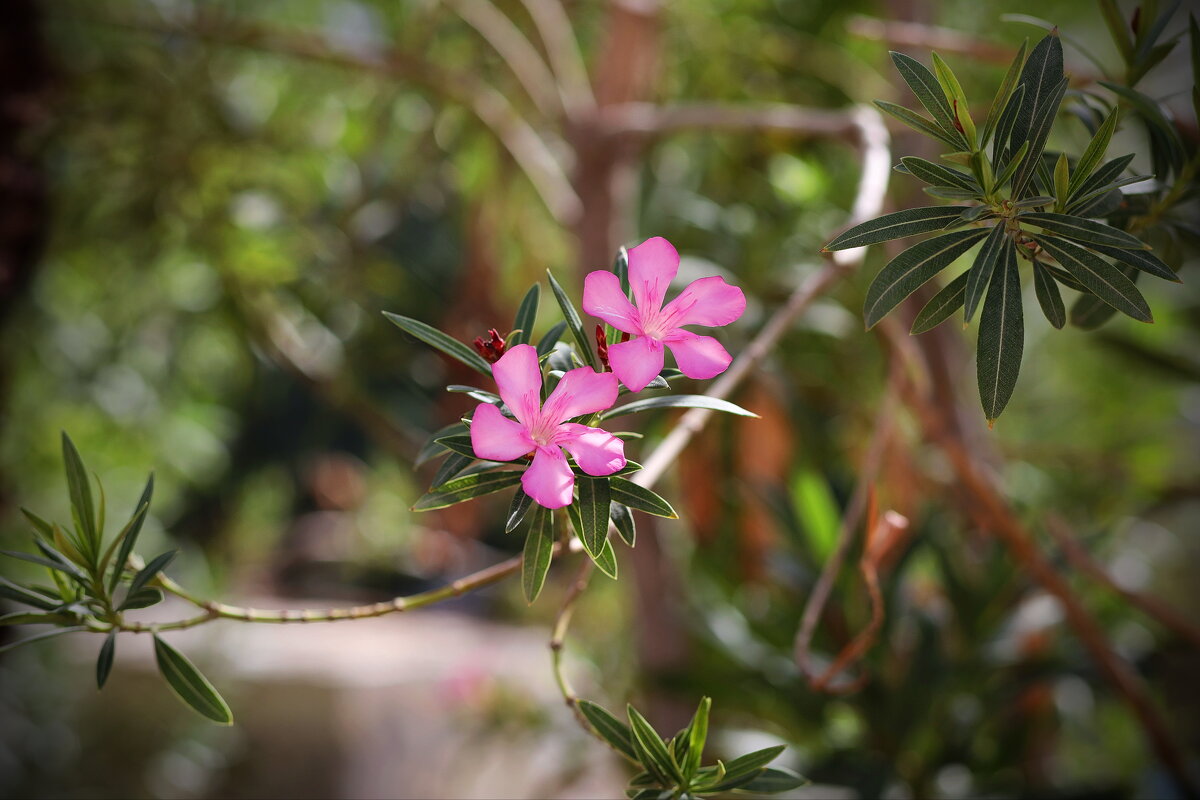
(558,638)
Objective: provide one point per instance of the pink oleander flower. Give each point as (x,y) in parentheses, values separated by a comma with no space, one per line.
(543,429)
(707,301)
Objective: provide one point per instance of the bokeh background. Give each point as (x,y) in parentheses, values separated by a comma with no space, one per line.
(205,206)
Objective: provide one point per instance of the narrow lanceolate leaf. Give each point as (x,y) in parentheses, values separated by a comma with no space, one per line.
(1142,260)
(1104,175)
(1038,134)
(909,222)
(526,316)
(592,505)
(908,271)
(927,89)
(773,780)
(475,393)
(34,618)
(1094,154)
(440,341)
(1041,75)
(651,749)
(1003,93)
(918,123)
(1062,181)
(191,686)
(980,273)
(547,342)
(744,769)
(942,306)
(142,598)
(516,510)
(1090,312)
(614,731)
(19,594)
(1001,335)
(82,507)
(458,443)
(40,637)
(1062,276)
(105,660)
(452,467)
(432,449)
(623,521)
(1008,118)
(1083,230)
(1099,276)
(606,562)
(954,94)
(1117,27)
(937,175)
(697,734)
(50,563)
(539,548)
(1048,295)
(1156,121)
(574,324)
(678,401)
(1011,168)
(639,498)
(151,570)
(952,192)
(466,488)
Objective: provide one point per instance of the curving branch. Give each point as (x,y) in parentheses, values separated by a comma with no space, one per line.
(648,120)
(562,48)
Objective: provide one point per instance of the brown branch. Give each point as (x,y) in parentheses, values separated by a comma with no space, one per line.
(490,107)
(992,513)
(896,33)
(517,53)
(1154,607)
(562,48)
(645,120)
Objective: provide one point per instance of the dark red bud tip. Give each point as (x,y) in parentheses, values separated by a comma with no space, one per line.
(492,348)
(602,346)
(958,125)
(1135,22)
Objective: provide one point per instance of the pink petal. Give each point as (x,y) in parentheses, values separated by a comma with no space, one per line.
(699,357)
(603,298)
(636,362)
(520,382)
(581,391)
(597,452)
(708,301)
(652,267)
(549,480)
(496,437)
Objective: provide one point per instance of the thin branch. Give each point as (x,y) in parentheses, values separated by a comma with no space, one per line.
(896,33)
(1168,617)
(644,120)
(517,53)
(562,47)
(562,622)
(490,107)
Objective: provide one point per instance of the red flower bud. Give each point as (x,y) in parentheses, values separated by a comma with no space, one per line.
(602,347)
(492,348)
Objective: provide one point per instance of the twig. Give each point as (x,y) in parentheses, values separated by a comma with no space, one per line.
(562,48)
(649,119)
(562,622)
(895,33)
(489,106)
(1152,606)
(515,50)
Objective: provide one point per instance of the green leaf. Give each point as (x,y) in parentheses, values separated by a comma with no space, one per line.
(614,731)
(954,94)
(1151,113)
(547,342)
(1142,260)
(677,401)
(606,562)
(451,468)
(1090,312)
(1048,295)
(526,317)
(105,660)
(592,513)
(898,225)
(1094,154)
(1062,276)
(1082,230)
(744,769)
(1003,93)
(952,193)
(937,175)
(440,341)
(574,323)
(629,468)
(34,618)
(432,449)
(191,686)
(623,521)
(20,594)
(1117,28)
(466,488)
(39,637)
(1038,134)
(80,487)
(1001,335)
(1010,169)
(475,393)
(151,570)
(39,524)
(517,509)
(1042,74)
(630,494)
(458,443)
(980,273)
(130,535)
(910,270)
(142,598)
(697,735)
(651,750)
(1100,180)
(1004,126)
(1099,276)
(51,563)
(1062,182)
(539,549)
(927,89)
(918,123)
(773,780)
